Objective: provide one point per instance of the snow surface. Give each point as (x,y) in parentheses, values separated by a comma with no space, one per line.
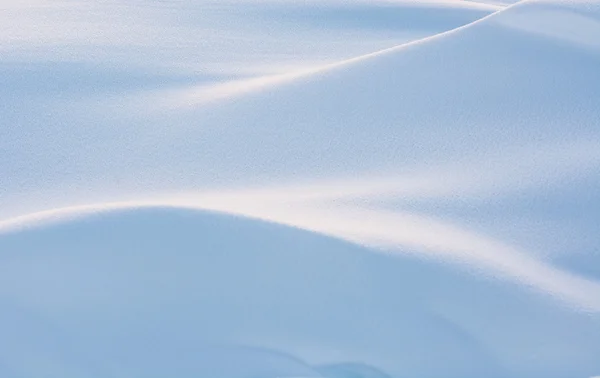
(262,189)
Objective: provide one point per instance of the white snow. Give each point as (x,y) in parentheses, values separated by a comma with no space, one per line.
(155,291)
(247,189)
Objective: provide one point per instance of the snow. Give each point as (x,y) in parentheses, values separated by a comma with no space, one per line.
(247,189)
(128,292)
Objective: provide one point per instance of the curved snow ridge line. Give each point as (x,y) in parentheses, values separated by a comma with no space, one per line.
(536,21)
(69,213)
(548,23)
(29,29)
(385,231)
(203,94)
(432,238)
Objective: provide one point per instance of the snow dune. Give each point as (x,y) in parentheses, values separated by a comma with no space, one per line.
(415,197)
(126,293)
(407,108)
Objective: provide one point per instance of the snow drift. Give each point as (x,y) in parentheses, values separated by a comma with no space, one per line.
(470,157)
(157,292)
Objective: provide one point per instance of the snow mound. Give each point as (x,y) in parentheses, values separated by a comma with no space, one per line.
(490,128)
(156,292)
(482,89)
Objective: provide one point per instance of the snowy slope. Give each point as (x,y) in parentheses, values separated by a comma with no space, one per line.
(216,37)
(472,93)
(493,127)
(471,158)
(156,292)
(60,139)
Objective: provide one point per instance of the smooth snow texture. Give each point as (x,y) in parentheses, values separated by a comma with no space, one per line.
(219,37)
(130,294)
(429,171)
